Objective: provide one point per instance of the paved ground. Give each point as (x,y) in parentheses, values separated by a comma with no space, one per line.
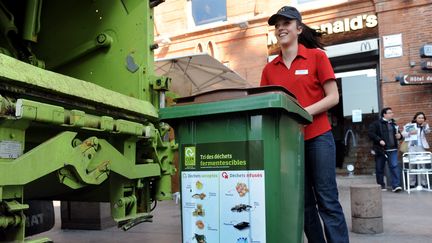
(407,218)
(164,229)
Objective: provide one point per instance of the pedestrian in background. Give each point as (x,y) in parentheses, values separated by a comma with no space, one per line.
(415,136)
(304,69)
(385,135)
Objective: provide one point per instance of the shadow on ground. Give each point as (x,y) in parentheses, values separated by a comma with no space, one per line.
(407,218)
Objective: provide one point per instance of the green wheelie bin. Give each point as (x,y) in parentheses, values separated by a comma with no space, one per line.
(241,159)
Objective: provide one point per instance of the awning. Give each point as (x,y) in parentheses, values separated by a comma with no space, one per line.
(197,73)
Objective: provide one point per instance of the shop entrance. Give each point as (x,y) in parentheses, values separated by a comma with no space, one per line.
(356,69)
(357,108)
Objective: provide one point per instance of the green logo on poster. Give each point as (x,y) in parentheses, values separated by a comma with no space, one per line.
(190,156)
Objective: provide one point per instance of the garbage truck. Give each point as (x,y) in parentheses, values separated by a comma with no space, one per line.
(79,105)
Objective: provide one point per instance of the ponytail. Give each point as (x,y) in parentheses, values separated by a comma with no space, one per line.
(309,37)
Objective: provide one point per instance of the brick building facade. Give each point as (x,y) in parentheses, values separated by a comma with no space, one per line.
(388,35)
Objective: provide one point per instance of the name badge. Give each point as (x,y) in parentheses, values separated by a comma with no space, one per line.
(301,72)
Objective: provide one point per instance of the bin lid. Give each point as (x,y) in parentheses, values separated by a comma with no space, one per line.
(236,100)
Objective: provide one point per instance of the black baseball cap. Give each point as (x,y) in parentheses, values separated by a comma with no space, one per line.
(287,12)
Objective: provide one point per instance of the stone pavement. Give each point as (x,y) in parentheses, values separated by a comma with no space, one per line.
(407,218)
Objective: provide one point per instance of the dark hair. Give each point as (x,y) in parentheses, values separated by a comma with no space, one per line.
(416,115)
(309,37)
(384,111)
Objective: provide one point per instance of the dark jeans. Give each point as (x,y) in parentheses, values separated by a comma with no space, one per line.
(380,160)
(321,193)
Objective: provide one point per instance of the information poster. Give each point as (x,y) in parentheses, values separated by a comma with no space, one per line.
(223,197)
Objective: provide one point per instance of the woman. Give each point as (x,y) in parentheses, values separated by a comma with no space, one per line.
(306,72)
(415,135)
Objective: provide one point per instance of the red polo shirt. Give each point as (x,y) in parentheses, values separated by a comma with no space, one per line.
(305,79)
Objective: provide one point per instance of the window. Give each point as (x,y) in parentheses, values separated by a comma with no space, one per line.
(211,49)
(199,48)
(359,91)
(208,11)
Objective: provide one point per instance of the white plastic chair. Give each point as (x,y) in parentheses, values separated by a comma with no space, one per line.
(412,165)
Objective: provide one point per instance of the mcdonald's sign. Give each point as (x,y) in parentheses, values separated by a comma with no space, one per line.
(365,46)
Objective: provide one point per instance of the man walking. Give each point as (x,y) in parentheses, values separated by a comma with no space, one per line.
(385,135)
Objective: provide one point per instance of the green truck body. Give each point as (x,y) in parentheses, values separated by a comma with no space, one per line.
(79,109)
